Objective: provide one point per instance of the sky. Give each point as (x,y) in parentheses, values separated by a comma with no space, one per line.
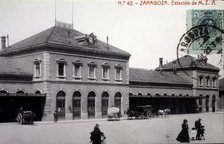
(147,32)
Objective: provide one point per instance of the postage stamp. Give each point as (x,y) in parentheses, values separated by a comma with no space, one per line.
(206,31)
(204,35)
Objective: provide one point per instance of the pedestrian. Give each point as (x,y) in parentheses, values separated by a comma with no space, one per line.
(193,133)
(183,136)
(56,115)
(96,136)
(199,129)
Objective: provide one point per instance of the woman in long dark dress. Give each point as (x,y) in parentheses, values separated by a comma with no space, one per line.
(184,135)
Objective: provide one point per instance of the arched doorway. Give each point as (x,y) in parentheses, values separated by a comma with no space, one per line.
(105,98)
(60,104)
(207,103)
(117,100)
(37,92)
(213,103)
(200,103)
(76,103)
(91,104)
(20,92)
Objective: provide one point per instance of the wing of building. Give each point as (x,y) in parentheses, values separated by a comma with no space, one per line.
(80,77)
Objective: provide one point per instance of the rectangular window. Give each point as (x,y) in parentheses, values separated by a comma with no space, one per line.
(201,81)
(207,82)
(77,71)
(214,82)
(105,73)
(37,70)
(118,74)
(61,69)
(91,72)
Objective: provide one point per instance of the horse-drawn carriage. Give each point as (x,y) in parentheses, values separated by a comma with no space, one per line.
(25,117)
(141,112)
(114,113)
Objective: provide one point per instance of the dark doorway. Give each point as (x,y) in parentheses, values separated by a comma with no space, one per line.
(76,105)
(10,106)
(175,104)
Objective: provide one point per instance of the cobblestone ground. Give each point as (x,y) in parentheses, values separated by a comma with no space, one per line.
(155,130)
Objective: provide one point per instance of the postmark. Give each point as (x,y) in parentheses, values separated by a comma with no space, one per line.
(204,36)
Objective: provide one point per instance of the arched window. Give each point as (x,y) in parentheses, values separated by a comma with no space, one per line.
(117,101)
(130,94)
(157,95)
(60,104)
(148,94)
(21,92)
(201,80)
(76,103)
(105,101)
(3,92)
(91,104)
(37,92)
(165,94)
(172,95)
(140,94)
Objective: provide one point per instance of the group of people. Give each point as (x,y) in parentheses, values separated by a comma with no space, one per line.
(197,132)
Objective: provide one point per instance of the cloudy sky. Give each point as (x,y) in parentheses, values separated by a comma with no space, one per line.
(146,32)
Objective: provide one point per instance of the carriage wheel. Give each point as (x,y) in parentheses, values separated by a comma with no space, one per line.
(149,114)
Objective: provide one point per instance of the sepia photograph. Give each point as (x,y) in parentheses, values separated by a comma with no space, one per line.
(111,71)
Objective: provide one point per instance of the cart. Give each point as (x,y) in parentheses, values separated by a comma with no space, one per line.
(141,112)
(113,113)
(25,117)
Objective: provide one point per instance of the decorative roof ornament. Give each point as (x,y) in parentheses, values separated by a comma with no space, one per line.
(90,40)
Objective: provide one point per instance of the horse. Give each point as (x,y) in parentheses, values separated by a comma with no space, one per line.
(164,113)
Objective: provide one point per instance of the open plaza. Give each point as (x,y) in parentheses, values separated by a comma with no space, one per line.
(154,130)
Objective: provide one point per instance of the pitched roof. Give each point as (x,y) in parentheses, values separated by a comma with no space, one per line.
(62,36)
(151,76)
(188,61)
(10,67)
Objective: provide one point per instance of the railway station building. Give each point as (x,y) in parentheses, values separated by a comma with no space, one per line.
(81,76)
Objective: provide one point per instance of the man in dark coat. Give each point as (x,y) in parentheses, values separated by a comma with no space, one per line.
(198,127)
(96,135)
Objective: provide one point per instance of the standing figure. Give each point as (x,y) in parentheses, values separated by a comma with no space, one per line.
(96,136)
(184,135)
(198,127)
(56,115)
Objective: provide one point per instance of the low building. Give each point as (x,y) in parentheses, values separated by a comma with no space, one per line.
(185,85)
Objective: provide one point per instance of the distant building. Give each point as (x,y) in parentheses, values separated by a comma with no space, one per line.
(80,76)
(184,86)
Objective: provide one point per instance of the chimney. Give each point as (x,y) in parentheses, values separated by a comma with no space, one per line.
(160,64)
(3,42)
(107,42)
(174,67)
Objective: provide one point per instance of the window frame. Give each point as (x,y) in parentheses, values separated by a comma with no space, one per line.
(61,61)
(37,62)
(118,78)
(94,66)
(79,75)
(106,67)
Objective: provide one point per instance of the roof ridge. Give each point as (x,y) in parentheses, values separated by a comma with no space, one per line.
(50,35)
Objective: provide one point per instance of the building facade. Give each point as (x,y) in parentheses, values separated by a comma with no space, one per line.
(65,70)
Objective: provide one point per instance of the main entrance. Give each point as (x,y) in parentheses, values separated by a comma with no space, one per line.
(10,105)
(177,105)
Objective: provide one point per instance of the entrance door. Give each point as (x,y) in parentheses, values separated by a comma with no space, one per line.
(76,105)
(117,102)
(60,104)
(105,98)
(213,103)
(207,103)
(91,105)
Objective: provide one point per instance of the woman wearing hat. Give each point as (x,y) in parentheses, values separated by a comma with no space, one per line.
(184,135)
